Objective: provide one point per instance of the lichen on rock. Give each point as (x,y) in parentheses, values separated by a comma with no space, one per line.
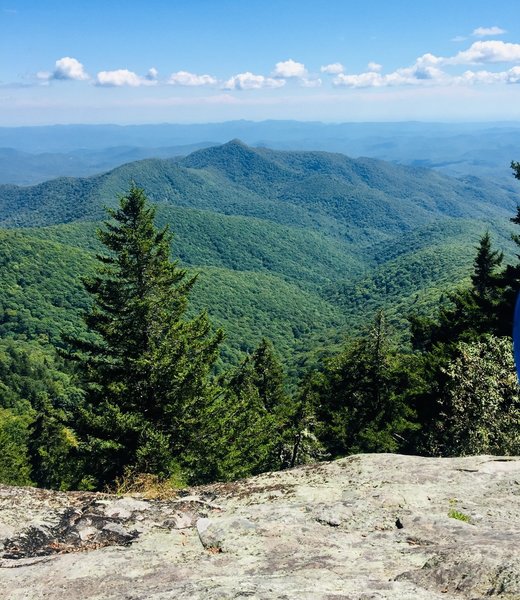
(363,527)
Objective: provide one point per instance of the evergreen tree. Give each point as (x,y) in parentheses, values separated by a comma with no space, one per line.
(487,261)
(510,277)
(269,380)
(359,406)
(251,427)
(268,377)
(147,371)
(238,432)
(304,445)
(469,313)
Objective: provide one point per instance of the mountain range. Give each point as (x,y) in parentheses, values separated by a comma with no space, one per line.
(29,155)
(302,247)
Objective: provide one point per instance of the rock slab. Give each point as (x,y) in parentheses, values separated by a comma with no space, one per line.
(367,527)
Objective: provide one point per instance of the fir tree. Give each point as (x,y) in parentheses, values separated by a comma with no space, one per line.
(269,380)
(487,261)
(147,373)
(510,277)
(359,407)
(250,426)
(469,313)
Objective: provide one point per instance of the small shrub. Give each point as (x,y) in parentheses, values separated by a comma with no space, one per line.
(460,516)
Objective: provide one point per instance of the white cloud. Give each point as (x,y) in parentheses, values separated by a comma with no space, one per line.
(370,79)
(427,75)
(513,75)
(122,77)
(492,51)
(248,81)
(190,79)
(489,77)
(423,72)
(333,68)
(44,76)
(485,31)
(289,68)
(66,68)
(479,77)
(375,67)
(459,38)
(311,83)
(152,74)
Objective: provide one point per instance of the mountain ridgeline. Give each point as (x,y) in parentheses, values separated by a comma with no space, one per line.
(291,245)
(354,199)
(29,155)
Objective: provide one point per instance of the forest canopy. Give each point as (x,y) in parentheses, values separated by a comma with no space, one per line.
(140,386)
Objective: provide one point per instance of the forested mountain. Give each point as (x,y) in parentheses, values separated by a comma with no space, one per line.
(117,361)
(289,244)
(330,192)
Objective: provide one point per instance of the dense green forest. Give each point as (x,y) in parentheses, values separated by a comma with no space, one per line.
(337,306)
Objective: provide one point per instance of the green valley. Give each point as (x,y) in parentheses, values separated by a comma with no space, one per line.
(294,246)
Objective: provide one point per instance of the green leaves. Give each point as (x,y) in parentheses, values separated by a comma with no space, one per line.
(481,410)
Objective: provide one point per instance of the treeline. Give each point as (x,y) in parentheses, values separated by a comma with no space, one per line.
(139,393)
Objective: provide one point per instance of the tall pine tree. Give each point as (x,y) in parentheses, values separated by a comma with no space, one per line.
(470,313)
(358,406)
(510,278)
(147,373)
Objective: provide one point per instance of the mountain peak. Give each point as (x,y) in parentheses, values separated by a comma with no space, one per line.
(235,142)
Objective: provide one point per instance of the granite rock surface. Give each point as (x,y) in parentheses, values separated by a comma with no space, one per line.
(367,527)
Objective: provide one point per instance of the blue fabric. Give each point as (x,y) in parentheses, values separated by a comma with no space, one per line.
(516,336)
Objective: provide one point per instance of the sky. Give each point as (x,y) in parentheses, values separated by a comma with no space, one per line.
(129,61)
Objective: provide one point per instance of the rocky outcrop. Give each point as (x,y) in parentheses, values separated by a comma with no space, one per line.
(364,527)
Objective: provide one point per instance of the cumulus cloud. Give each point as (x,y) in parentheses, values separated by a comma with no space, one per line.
(190,79)
(489,77)
(66,68)
(249,81)
(459,38)
(289,68)
(427,75)
(428,69)
(333,68)
(375,67)
(513,75)
(425,70)
(485,31)
(123,77)
(492,51)
(370,79)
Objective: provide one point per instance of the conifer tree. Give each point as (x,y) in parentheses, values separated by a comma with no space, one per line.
(359,407)
(469,313)
(238,433)
(510,277)
(251,425)
(269,380)
(147,371)
(486,263)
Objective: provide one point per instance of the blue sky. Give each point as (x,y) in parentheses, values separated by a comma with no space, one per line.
(199,61)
